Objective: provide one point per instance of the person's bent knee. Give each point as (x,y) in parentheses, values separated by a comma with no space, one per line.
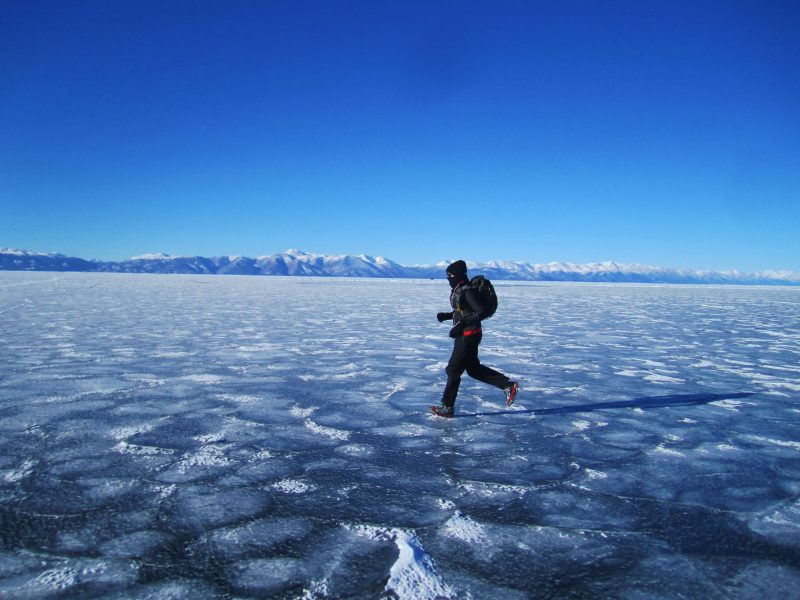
(454,371)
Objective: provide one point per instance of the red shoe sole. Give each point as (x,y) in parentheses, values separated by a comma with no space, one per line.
(435,410)
(513,396)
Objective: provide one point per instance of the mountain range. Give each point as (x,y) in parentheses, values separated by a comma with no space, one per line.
(296,262)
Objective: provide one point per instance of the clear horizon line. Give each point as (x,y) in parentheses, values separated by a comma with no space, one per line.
(480,263)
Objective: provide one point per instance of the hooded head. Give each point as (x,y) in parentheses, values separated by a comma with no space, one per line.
(456,273)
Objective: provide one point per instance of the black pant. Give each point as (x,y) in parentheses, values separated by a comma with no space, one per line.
(465,358)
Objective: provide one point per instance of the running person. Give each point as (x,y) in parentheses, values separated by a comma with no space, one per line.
(469,309)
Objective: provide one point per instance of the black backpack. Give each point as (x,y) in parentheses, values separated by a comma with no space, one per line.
(486,289)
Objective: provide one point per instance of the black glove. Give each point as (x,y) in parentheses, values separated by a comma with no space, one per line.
(444,317)
(457,330)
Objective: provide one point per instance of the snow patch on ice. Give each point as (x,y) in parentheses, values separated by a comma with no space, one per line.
(782,523)
(170,354)
(794,387)
(661,449)
(55,579)
(592,474)
(137,450)
(261,455)
(20,473)
(658,378)
(627,373)
(490,490)
(782,443)
(206,379)
(208,456)
(413,575)
(334,434)
(165,491)
(77,572)
(397,387)
(240,398)
(355,450)
(703,364)
(123,433)
(412,430)
(316,589)
(210,438)
(461,527)
(293,486)
(302,413)
(348,371)
(732,405)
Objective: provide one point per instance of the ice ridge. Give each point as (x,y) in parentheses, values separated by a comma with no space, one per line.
(413,575)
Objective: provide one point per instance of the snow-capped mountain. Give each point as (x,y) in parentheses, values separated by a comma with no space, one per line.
(23,260)
(339,265)
(299,263)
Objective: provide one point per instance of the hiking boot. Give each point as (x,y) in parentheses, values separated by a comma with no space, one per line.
(443,411)
(511,392)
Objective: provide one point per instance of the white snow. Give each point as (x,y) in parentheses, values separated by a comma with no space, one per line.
(336,434)
(292,486)
(463,528)
(413,575)
(16,252)
(154,256)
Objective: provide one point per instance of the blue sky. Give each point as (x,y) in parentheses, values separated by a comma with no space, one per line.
(656,132)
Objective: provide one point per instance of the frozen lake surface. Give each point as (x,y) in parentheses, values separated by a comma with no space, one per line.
(205,437)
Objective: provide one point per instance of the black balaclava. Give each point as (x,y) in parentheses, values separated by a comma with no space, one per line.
(458,270)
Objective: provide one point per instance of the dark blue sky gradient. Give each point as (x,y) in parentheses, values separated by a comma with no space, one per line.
(655,132)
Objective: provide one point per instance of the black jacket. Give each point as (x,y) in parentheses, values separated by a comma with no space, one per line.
(468,305)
